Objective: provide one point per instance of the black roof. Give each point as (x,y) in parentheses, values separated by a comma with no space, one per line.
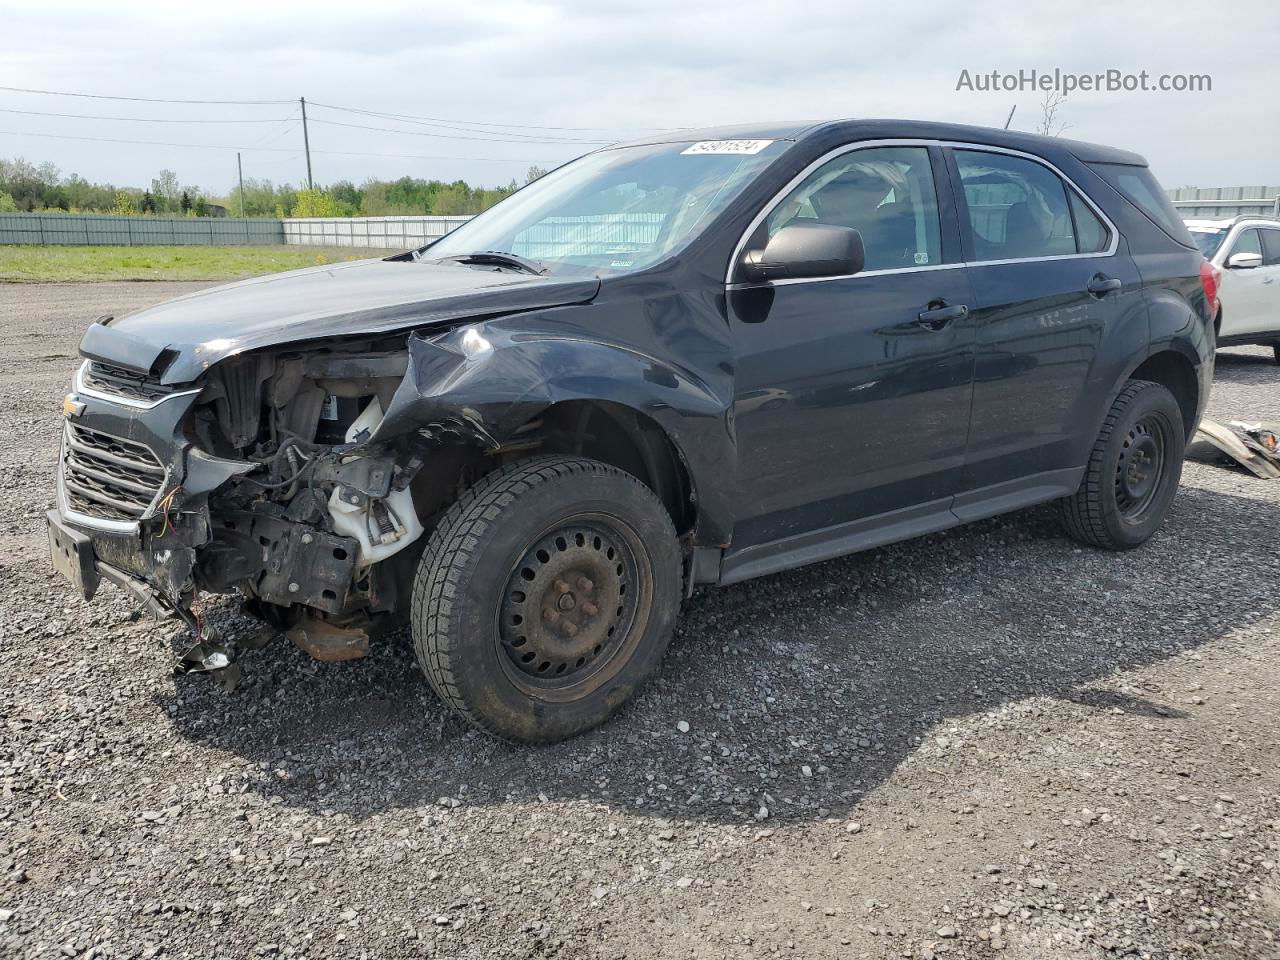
(899,129)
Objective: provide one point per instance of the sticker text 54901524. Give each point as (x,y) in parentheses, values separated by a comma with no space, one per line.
(740,147)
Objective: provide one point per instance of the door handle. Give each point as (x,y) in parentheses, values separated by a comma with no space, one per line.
(940,314)
(1101,285)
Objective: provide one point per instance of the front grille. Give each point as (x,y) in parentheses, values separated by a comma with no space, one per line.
(120,382)
(107,477)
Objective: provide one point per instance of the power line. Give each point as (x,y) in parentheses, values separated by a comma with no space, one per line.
(403,117)
(293,150)
(103,96)
(89,116)
(450,136)
(439,121)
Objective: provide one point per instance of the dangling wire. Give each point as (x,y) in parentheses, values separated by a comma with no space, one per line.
(165,504)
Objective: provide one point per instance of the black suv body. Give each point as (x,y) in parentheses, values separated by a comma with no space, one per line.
(687,360)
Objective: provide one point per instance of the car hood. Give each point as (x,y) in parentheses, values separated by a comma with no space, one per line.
(190,334)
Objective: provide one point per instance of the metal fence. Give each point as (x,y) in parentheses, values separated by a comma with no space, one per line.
(92,230)
(388,233)
(595,235)
(1220,203)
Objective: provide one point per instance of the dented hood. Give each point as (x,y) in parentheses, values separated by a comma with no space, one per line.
(187,335)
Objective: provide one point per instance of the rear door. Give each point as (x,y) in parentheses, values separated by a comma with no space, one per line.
(1051,281)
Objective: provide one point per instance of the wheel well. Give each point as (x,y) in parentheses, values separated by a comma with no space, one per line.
(1175,373)
(608,432)
(624,438)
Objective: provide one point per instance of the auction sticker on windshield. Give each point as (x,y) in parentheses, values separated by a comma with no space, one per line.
(742,147)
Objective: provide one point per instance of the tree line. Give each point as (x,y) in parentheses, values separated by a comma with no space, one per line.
(25,186)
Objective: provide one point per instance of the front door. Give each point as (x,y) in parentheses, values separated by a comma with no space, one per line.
(1251,296)
(852,393)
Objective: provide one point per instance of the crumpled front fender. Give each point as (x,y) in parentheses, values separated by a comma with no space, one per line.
(490,379)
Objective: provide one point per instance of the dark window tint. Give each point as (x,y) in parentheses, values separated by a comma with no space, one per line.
(885,193)
(1017,207)
(1140,188)
(1270,247)
(1091,234)
(1246,242)
(1208,241)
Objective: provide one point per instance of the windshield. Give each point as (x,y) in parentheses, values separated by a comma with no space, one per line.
(1208,241)
(616,210)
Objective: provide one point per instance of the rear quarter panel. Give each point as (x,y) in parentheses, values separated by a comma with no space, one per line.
(1178,314)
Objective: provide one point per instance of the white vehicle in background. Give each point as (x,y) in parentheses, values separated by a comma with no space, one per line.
(1246,253)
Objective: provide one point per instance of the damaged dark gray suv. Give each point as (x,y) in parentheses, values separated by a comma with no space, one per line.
(695,359)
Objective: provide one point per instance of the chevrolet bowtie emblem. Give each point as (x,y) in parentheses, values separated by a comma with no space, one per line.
(71,407)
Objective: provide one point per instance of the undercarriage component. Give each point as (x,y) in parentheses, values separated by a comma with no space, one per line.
(299,563)
(334,640)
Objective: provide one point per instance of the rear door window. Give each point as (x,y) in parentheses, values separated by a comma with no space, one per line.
(1140,188)
(1020,209)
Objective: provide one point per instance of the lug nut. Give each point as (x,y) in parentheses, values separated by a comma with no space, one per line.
(568,628)
(294,588)
(562,586)
(550,615)
(590,609)
(585,585)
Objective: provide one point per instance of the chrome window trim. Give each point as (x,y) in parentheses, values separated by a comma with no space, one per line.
(79,387)
(102,523)
(830,155)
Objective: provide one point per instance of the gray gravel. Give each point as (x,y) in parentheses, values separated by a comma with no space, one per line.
(987,743)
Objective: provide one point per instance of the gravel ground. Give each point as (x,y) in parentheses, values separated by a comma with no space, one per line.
(989,743)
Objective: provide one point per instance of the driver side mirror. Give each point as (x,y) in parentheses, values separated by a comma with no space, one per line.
(1244,261)
(806,250)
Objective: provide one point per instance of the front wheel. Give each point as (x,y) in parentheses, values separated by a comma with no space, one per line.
(546,597)
(1133,470)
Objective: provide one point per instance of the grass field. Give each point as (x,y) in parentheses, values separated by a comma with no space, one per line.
(33,264)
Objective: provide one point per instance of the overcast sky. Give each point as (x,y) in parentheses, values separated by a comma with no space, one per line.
(617,68)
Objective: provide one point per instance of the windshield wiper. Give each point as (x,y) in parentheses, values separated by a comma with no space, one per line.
(499,259)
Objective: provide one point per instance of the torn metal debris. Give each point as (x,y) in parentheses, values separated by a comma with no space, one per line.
(1254,446)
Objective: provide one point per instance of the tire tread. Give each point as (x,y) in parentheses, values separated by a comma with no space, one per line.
(457,536)
(1084,513)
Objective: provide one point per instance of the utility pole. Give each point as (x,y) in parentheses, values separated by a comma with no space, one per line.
(1009,119)
(240,171)
(306,141)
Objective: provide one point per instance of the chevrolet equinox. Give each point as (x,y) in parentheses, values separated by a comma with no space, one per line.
(693,359)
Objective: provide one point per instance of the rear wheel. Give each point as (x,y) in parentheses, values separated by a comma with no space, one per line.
(1133,471)
(546,597)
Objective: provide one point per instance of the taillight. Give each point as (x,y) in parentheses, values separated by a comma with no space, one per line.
(1209,280)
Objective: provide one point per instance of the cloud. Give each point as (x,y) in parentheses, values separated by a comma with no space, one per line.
(626,67)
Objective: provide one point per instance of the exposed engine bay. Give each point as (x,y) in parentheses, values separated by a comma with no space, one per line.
(317,528)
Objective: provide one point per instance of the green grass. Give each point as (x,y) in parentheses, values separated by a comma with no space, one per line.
(34,264)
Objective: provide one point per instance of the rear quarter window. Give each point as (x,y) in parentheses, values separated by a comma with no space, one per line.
(1139,187)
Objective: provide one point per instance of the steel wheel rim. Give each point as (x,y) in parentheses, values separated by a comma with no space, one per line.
(574,607)
(1140,468)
